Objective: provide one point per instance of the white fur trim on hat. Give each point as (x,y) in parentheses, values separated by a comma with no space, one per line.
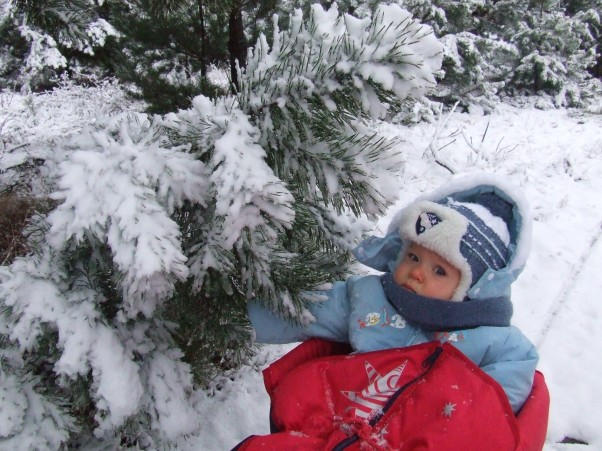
(441,236)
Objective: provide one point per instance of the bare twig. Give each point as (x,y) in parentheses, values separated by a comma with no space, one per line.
(433,149)
(17,147)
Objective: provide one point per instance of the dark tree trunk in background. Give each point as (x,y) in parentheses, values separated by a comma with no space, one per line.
(596,71)
(237,45)
(203,38)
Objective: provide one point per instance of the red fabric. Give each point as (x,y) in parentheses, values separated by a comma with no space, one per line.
(319,400)
(533,417)
(306,351)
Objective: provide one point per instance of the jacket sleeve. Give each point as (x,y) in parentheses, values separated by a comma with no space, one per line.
(331,320)
(512,364)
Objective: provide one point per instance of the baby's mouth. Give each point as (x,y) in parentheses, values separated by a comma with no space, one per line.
(407,287)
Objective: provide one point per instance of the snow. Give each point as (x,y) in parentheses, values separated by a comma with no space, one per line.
(246,181)
(553,156)
(44,52)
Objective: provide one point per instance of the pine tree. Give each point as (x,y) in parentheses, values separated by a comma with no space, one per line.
(514,47)
(46,38)
(168,47)
(166,50)
(556,51)
(167,225)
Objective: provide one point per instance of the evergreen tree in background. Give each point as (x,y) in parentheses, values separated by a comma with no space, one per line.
(167,225)
(556,51)
(513,47)
(167,49)
(164,50)
(42,39)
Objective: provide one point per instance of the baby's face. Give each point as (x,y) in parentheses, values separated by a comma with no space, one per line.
(426,273)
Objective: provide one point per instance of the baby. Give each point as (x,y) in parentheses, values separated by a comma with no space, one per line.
(448,261)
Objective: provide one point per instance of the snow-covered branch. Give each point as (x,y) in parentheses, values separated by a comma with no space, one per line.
(121,186)
(388,54)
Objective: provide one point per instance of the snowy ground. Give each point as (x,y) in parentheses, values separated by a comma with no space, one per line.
(554,155)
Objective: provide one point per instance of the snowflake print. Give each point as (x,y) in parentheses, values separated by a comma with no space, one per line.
(448,409)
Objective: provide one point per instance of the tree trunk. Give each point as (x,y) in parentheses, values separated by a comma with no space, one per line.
(203,38)
(596,71)
(237,45)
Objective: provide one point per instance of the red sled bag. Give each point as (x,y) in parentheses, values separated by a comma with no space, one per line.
(424,397)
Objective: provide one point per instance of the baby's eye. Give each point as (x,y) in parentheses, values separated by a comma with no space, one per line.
(440,271)
(412,256)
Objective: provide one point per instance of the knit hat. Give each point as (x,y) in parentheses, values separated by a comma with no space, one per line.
(473,237)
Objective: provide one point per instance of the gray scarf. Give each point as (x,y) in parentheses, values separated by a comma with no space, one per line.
(435,314)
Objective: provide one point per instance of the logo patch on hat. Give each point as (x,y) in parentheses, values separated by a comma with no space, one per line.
(425,221)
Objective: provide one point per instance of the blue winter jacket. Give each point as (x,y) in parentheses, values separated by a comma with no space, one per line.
(365,312)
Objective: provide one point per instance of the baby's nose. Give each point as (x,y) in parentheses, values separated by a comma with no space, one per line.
(417,273)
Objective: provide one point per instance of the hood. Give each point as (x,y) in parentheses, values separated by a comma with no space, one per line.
(382,253)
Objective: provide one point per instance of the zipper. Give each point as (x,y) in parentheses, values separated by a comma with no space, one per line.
(427,364)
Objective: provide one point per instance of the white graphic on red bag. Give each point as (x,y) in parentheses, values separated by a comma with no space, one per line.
(374,397)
